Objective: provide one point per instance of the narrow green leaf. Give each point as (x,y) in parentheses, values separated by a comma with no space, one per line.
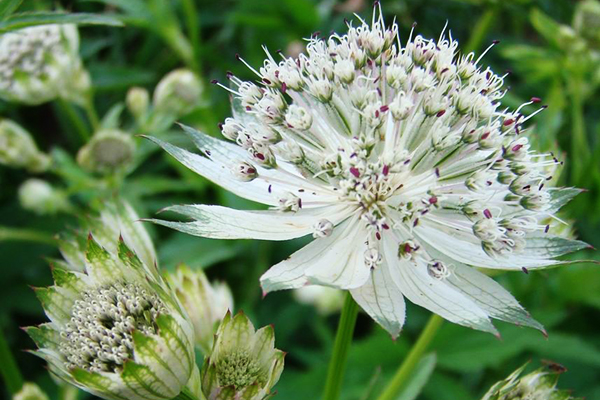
(419,378)
(23,20)
(8,7)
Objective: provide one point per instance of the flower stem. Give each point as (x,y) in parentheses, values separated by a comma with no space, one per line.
(579,143)
(193,31)
(26,235)
(92,115)
(341,346)
(75,118)
(8,368)
(414,356)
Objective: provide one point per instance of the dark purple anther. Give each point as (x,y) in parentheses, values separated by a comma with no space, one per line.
(517,147)
(487,213)
(386,170)
(354,171)
(440,113)
(525,270)
(433,200)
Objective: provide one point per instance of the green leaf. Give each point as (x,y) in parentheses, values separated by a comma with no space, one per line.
(23,20)
(8,7)
(113,77)
(419,378)
(545,26)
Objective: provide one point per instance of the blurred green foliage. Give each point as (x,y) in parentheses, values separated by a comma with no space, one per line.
(126,43)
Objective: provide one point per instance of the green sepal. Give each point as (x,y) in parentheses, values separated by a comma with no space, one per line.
(96,384)
(177,340)
(150,351)
(552,246)
(141,380)
(66,279)
(99,263)
(44,336)
(55,303)
(128,256)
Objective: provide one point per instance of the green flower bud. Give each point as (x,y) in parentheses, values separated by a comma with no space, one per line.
(243,363)
(41,63)
(41,198)
(17,148)
(177,93)
(206,304)
(137,101)
(325,299)
(108,151)
(538,385)
(117,329)
(586,21)
(30,391)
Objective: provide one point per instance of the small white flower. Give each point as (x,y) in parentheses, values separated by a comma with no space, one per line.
(419,172)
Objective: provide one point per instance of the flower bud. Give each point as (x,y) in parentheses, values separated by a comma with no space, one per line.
(539,384)
(17,148)
(206,304)
(41,63)
(325,299)
(586,21)
(30,391)
(40,197)
(108,150)
(116,328)
(137,101)
(243,363)
(245,172)
(177,93)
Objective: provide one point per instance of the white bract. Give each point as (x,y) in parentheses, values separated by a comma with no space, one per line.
(41,63)
(116,329)
(400,161)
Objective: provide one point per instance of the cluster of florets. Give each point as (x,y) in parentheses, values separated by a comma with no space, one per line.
(397,131)
(98,337)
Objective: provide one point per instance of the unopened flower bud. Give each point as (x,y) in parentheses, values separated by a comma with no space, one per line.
(245,172)
(298,118)
(41,63)
(326,300)
(231,129)
(586,21)
(243,364)
(40,197)
(30,391)
(108,151)
(205,303)
(177,93)
(137,101)
(17,148)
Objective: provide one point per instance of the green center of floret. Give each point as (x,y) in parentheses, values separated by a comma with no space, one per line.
(239,370)
(98,338)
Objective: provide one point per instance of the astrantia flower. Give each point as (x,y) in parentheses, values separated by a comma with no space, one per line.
(243,363)
(401,163)
(537,385)
(116,330)
(40,63)
(108,150)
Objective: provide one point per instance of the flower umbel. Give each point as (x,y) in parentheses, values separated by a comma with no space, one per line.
(402,164)
(537,385)
(243,363)
(205,303)
(117,329)
(41,63)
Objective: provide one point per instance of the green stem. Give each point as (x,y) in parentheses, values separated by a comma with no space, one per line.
(481,30)
(8,368)
(579,145)
(75,118)
(414,356)
(91,113)
(193,30)
(341,346)
(25,235)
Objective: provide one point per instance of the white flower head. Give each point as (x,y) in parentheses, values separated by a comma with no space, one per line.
(411,175)
(41,63)
(108,150)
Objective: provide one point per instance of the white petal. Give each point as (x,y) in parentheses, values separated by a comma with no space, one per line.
(485,292)
(343,265)
(471,253)
(382,300)
(220,173)
(319,255)
(218,222)
(420,288)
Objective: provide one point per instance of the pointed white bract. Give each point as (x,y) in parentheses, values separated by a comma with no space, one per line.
(116,328)
(206,303)
(399,159)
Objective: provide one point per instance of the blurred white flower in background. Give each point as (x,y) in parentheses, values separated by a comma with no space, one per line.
(325,299)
